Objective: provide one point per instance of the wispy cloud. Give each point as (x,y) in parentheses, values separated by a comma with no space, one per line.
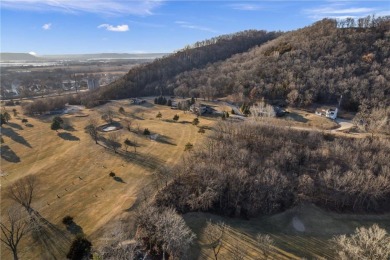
(246,7)
(46,26)
(107,7)
(338,10)
(189,25)
(112,28)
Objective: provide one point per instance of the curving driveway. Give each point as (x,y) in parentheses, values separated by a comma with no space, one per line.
(344,124)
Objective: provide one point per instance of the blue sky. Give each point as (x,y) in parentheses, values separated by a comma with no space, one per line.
(136,26)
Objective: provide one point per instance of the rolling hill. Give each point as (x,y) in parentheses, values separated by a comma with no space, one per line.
(318,63)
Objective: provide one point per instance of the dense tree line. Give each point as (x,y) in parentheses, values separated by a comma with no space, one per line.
(152,79)
(41,106)
(251,168)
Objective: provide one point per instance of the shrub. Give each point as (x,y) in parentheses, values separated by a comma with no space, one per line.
(111,174)
(159,115)
(195,121)
(57,122)
(146,131)
(176,118)
(24,120)
(201,130)
(188,146)
(10,103)
(80,249)
(121,110)
(67,220)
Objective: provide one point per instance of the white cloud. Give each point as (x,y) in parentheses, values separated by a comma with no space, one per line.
(338,10)
(107,7)
(46,26)
(189,25)
(246,7)
(112,28)
(32,53)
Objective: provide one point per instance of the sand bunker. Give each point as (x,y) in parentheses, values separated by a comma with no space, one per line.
(298,224)
(109,128)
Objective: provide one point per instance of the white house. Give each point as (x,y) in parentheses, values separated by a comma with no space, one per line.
(329,112)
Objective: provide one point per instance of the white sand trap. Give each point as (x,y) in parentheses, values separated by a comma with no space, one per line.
(109,128)
(298,224)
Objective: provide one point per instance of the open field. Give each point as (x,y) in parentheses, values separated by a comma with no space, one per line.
(73,173)
(73,170)
(290,243)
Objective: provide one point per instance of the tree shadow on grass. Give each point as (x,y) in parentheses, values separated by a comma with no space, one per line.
(165,140)
(29,125)
(14,125)
(185,122)
(119,179)
(9,155)
(144,160)
(68,137)
(75,229)
(9,132)
(297,117)
(53,241)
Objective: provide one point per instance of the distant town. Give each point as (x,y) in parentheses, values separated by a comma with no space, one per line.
(25,75)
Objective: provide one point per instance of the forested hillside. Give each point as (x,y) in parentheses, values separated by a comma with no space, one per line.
(154,78)
(314,64)
(318,63)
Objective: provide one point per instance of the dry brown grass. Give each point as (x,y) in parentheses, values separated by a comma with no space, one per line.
(313,243)
(73,173)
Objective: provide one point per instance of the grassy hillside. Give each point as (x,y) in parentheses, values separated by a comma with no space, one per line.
(73,170)
(312,243)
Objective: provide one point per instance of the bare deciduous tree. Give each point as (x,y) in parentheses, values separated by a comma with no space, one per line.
(214,234)
(114,141)
(92,129)
(262,109)
(265,243)
(128,122)
(118,245)
(13,228)
(164,230)
(22,191)
(238,252)
(108,116)
(365,243)
(174,234)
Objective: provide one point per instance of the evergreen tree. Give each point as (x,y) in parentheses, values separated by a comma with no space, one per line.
(56,123)
(80,249)
(195,121)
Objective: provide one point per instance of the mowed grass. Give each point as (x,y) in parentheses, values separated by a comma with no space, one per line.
(73,171)
(313,243)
